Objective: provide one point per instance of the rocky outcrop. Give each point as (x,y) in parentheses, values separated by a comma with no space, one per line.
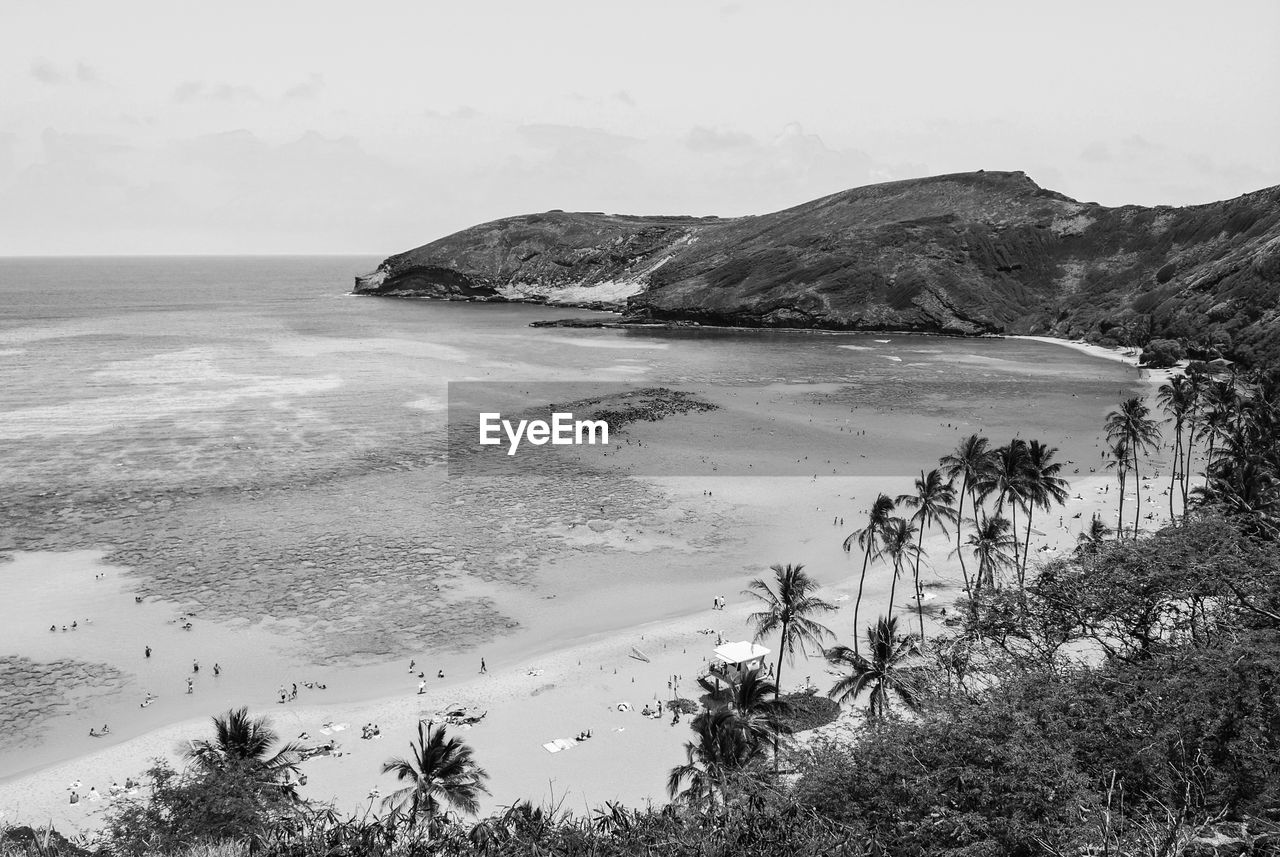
(968,253)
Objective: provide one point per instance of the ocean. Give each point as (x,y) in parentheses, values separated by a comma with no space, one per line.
(239,445)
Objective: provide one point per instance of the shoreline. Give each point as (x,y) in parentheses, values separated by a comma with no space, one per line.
(561,700)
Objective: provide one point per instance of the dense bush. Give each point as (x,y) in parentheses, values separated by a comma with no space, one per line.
(1162,353)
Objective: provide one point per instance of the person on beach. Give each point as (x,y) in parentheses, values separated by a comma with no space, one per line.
(147,652)
(217,670)
(191,687)
(106,730)
(195,666)
(483,669)
(440,674)
(422,687)
(412,663)
(93,733)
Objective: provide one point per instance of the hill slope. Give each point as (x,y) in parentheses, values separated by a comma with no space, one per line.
(971,253)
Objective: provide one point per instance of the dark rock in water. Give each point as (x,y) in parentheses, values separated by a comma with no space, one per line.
(968,253)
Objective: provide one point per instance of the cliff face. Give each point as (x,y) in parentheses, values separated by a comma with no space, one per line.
(965,253)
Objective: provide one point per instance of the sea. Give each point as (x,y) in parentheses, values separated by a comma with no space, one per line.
(234,459)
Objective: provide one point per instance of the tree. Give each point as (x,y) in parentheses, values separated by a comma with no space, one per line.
(1094,536)
(990,543)
(883,672)
(867,539)
(1141,434)
(1004,480)
(755,700)
(1177,399)
(438,769)
(1118,459)
(718,754)
(932,502)
(1042,486)
(788,611)
(968,463)
(245,743)
(896,543)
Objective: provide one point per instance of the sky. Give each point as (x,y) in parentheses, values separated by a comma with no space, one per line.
(138,127)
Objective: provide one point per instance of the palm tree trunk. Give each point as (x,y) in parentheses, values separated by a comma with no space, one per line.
(1186,467)
(893,584)
(866,557)
(1137,493)
(919,600)
(1026,549)
(1120,516)
(777,691)
(1013,529)
(1173,474)
(959,525)
(1208,457)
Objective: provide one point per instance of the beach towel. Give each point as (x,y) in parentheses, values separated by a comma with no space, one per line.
(557,745)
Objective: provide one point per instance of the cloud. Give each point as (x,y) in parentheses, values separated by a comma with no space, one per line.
(199,90)
(47,72)
(309,88)
(571,139)
(701,139)
(1096,152)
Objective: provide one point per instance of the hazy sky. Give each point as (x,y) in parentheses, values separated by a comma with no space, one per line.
(309,127)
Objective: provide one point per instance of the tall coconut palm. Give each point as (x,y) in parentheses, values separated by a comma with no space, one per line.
(868,539)
(933,503)
(896,542)
(884,671)
(1043,487)
(788,608)
(1175,397)
(967,463)
(1220,403)
(246,744)
(1092,538)
(1133,424)
(439,770)
(1118,460)
(762,714)
(993,547)
(1196,393)
(1004,480)
(718,752)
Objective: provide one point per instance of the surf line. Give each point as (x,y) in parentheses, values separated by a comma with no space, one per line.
(563,430)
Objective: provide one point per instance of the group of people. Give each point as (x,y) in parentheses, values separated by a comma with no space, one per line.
(370,730)
(130,785)
(73,626)
(719,603)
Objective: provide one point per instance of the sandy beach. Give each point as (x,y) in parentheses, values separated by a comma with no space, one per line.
(571,661)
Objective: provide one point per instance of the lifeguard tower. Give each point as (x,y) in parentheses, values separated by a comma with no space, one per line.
(734,660)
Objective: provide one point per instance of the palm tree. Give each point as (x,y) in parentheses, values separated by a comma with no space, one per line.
(968,463)
(245,743)
(788,611)
(1133,424)
(1118,456)
(754,699)
(439,769)
(1042,487)
(896,543)
(1176,398)
(1220,401)
(867,538)
(933,504)
(719,751)
(990,543)
(1004,479)
(883,672)
(1092,538)
(1196,393)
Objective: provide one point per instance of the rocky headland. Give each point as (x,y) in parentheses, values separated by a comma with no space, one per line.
(968,253)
